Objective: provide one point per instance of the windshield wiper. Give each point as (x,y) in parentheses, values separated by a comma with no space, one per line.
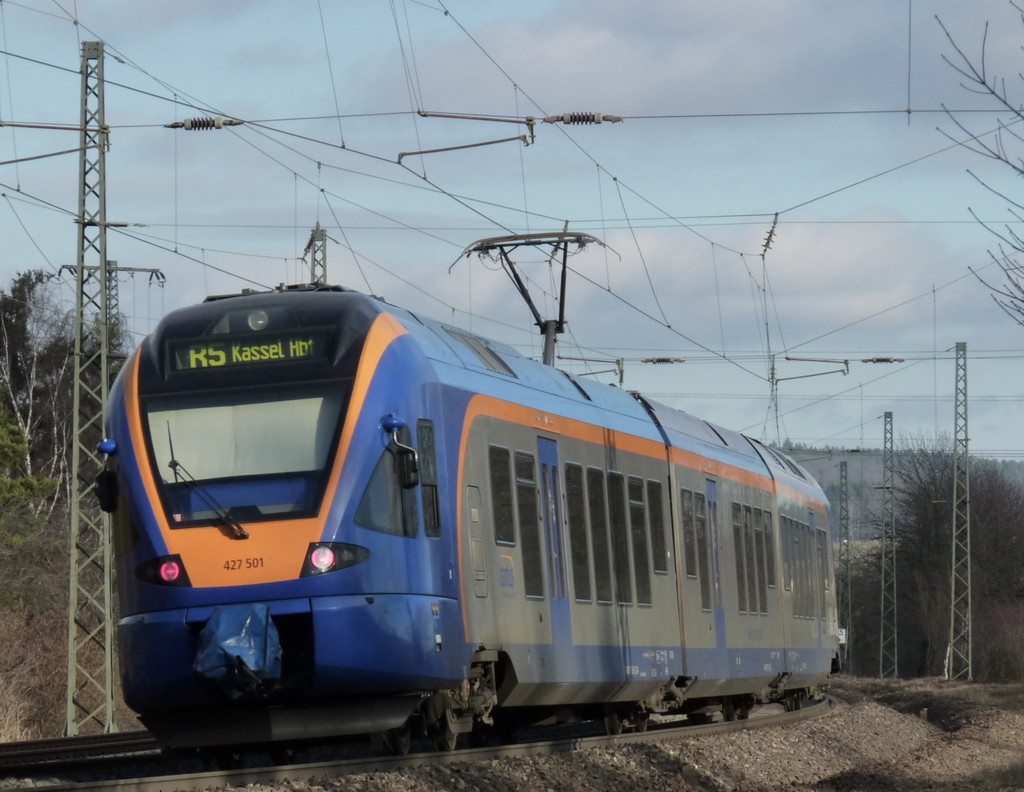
(237,531)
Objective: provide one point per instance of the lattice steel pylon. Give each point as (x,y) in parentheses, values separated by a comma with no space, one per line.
(90,704)
(887,660)
(843,600)
(316,249)
(960,639)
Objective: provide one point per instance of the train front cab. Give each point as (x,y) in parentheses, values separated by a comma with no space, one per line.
(382,621)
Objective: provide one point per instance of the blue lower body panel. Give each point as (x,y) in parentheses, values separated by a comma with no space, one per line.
(156,653)
(331,647)
(388,642)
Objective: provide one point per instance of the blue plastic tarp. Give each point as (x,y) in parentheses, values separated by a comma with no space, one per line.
(240,649)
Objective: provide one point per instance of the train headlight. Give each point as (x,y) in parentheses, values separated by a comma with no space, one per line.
(324,557)
(257,320)
(164,571)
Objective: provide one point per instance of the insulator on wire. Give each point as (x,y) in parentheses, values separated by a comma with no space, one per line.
(203,123)
(583,118)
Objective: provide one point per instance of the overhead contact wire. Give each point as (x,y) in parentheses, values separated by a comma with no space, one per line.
(330,69)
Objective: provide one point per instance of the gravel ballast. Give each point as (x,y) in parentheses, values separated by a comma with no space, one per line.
(881,737)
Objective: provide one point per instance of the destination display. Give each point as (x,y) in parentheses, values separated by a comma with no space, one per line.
(206,353)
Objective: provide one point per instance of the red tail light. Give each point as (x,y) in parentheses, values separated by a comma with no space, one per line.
(324,557)
(164,571)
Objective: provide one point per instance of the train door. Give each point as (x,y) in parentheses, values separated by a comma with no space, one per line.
(554,541)
(476,541)
(717,604)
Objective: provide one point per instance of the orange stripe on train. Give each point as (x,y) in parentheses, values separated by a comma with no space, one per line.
(541,421)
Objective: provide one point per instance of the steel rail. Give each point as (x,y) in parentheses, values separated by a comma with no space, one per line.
(32,753)
(382,764)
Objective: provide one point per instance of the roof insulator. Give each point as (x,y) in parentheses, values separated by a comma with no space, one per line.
(204,123)
(583,118)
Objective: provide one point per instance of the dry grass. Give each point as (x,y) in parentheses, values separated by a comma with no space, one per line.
(33,676)
(910,695)
(14,709)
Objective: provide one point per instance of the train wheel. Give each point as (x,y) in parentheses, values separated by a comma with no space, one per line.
(392,742)
(612,722)
(641,721)
(728,710)
(444,738)
(398,741)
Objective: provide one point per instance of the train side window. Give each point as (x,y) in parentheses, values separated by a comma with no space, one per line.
(822,572)
(501,495)
(657,516)
(689,537)
(808,572)
(786,540)
(386,506)
(703,565)
(826,560)
(762,575)
(599,535)
(798,568)
(428,478)
(529,524)
(809,587)
(806,559)
(769,545)
(576,508)
(410,506)
(751,560)
(620,538)
(638,528)
(741,572)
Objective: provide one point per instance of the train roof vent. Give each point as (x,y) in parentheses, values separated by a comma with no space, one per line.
(579,387)
(714,429)
(784,462)
(487,356)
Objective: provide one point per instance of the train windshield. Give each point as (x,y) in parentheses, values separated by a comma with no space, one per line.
(251,456)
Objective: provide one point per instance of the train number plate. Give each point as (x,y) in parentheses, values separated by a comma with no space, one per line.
(235,564)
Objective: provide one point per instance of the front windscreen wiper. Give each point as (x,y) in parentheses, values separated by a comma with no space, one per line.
(237,531)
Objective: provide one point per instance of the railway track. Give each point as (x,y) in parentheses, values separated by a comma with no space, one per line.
(107,746)
(34,753)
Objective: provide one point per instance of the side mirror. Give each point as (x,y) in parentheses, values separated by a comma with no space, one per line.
(408,467)
(407,460)
(107,490)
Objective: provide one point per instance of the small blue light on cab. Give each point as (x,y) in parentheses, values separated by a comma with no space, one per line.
(107,447)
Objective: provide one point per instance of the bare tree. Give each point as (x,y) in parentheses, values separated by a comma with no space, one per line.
(36,375)
(1003,144)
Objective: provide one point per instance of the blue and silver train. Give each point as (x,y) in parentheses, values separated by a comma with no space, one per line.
(333,516)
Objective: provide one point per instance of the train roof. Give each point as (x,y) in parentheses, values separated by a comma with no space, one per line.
(466,360)
(472,362)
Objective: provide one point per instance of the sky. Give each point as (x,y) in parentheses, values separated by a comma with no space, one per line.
(835,130)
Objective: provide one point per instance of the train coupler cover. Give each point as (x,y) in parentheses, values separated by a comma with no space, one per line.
(240,650)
